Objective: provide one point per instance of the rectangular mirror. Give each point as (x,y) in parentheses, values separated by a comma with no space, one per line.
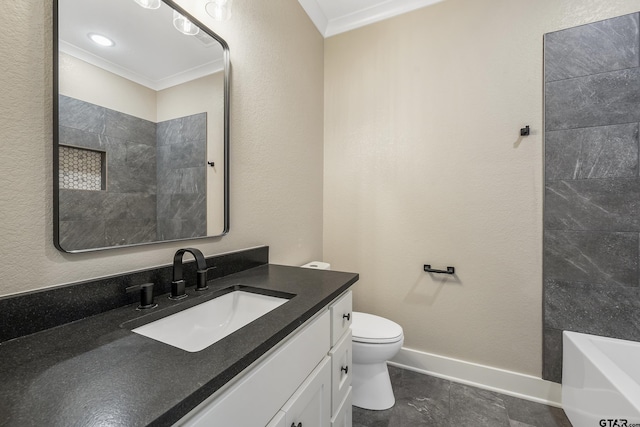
(141,141)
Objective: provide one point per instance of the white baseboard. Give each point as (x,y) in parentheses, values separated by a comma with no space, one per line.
(486,377)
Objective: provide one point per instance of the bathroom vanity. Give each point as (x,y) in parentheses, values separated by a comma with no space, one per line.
(305,380)
(158,158)
(289,366)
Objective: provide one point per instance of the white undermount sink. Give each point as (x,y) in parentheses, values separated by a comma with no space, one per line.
(198,327)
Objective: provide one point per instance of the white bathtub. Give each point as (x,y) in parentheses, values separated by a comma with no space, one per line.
(600,380)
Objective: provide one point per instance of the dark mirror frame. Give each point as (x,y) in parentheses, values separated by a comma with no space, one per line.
(56,146)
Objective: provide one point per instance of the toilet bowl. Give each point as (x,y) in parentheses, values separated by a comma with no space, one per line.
(375,340)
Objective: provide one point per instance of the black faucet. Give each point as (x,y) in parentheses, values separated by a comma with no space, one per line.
(178,283)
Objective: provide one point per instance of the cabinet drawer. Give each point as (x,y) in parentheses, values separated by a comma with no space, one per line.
(341,370)
(310,406)
(344,416)
(341,317)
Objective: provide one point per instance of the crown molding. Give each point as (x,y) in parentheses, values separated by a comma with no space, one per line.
(331,27)
(157,85)
(316,14)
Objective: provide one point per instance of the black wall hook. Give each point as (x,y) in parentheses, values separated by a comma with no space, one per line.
(525,131)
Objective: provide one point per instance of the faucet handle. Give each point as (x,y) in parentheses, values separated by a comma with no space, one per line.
(201,282)
(146,295)
(177,290)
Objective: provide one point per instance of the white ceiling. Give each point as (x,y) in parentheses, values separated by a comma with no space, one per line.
(148,49)
(333,17)
(151,52)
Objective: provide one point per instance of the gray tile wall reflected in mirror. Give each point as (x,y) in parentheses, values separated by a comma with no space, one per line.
(181,177)
(592,188)
(147,197)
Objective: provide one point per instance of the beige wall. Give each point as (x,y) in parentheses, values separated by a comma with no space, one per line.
(424,164)
(81,80)
(276,146)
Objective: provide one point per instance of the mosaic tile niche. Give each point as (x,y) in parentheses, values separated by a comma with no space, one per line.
(81,169)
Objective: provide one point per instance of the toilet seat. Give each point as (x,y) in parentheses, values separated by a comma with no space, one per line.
(371,329)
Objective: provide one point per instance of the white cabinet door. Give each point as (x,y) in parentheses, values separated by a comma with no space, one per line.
(341,317)
(341,370)
(344,415)
(310,406)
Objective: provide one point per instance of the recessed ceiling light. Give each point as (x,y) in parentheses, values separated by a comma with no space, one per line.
(220,10)
(101,40)
(183,25)
(148,4)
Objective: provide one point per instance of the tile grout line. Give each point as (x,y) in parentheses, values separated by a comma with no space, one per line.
(621,178)
(592,127)
(593,74)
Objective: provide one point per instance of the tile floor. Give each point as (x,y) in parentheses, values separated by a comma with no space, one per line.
(422,400)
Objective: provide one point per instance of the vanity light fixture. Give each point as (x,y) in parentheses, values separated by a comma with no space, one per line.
(149,4)
(220,10)
(183,25)
(101,40)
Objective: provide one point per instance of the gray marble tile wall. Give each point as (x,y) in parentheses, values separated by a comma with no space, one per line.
(181,177)
(592,185)
(125,212)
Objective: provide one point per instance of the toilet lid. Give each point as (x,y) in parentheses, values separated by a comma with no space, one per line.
(369,328)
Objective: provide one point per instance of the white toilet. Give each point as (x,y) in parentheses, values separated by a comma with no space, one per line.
(375,340)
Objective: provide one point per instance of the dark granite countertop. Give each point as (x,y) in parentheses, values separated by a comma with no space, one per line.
(95,371)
